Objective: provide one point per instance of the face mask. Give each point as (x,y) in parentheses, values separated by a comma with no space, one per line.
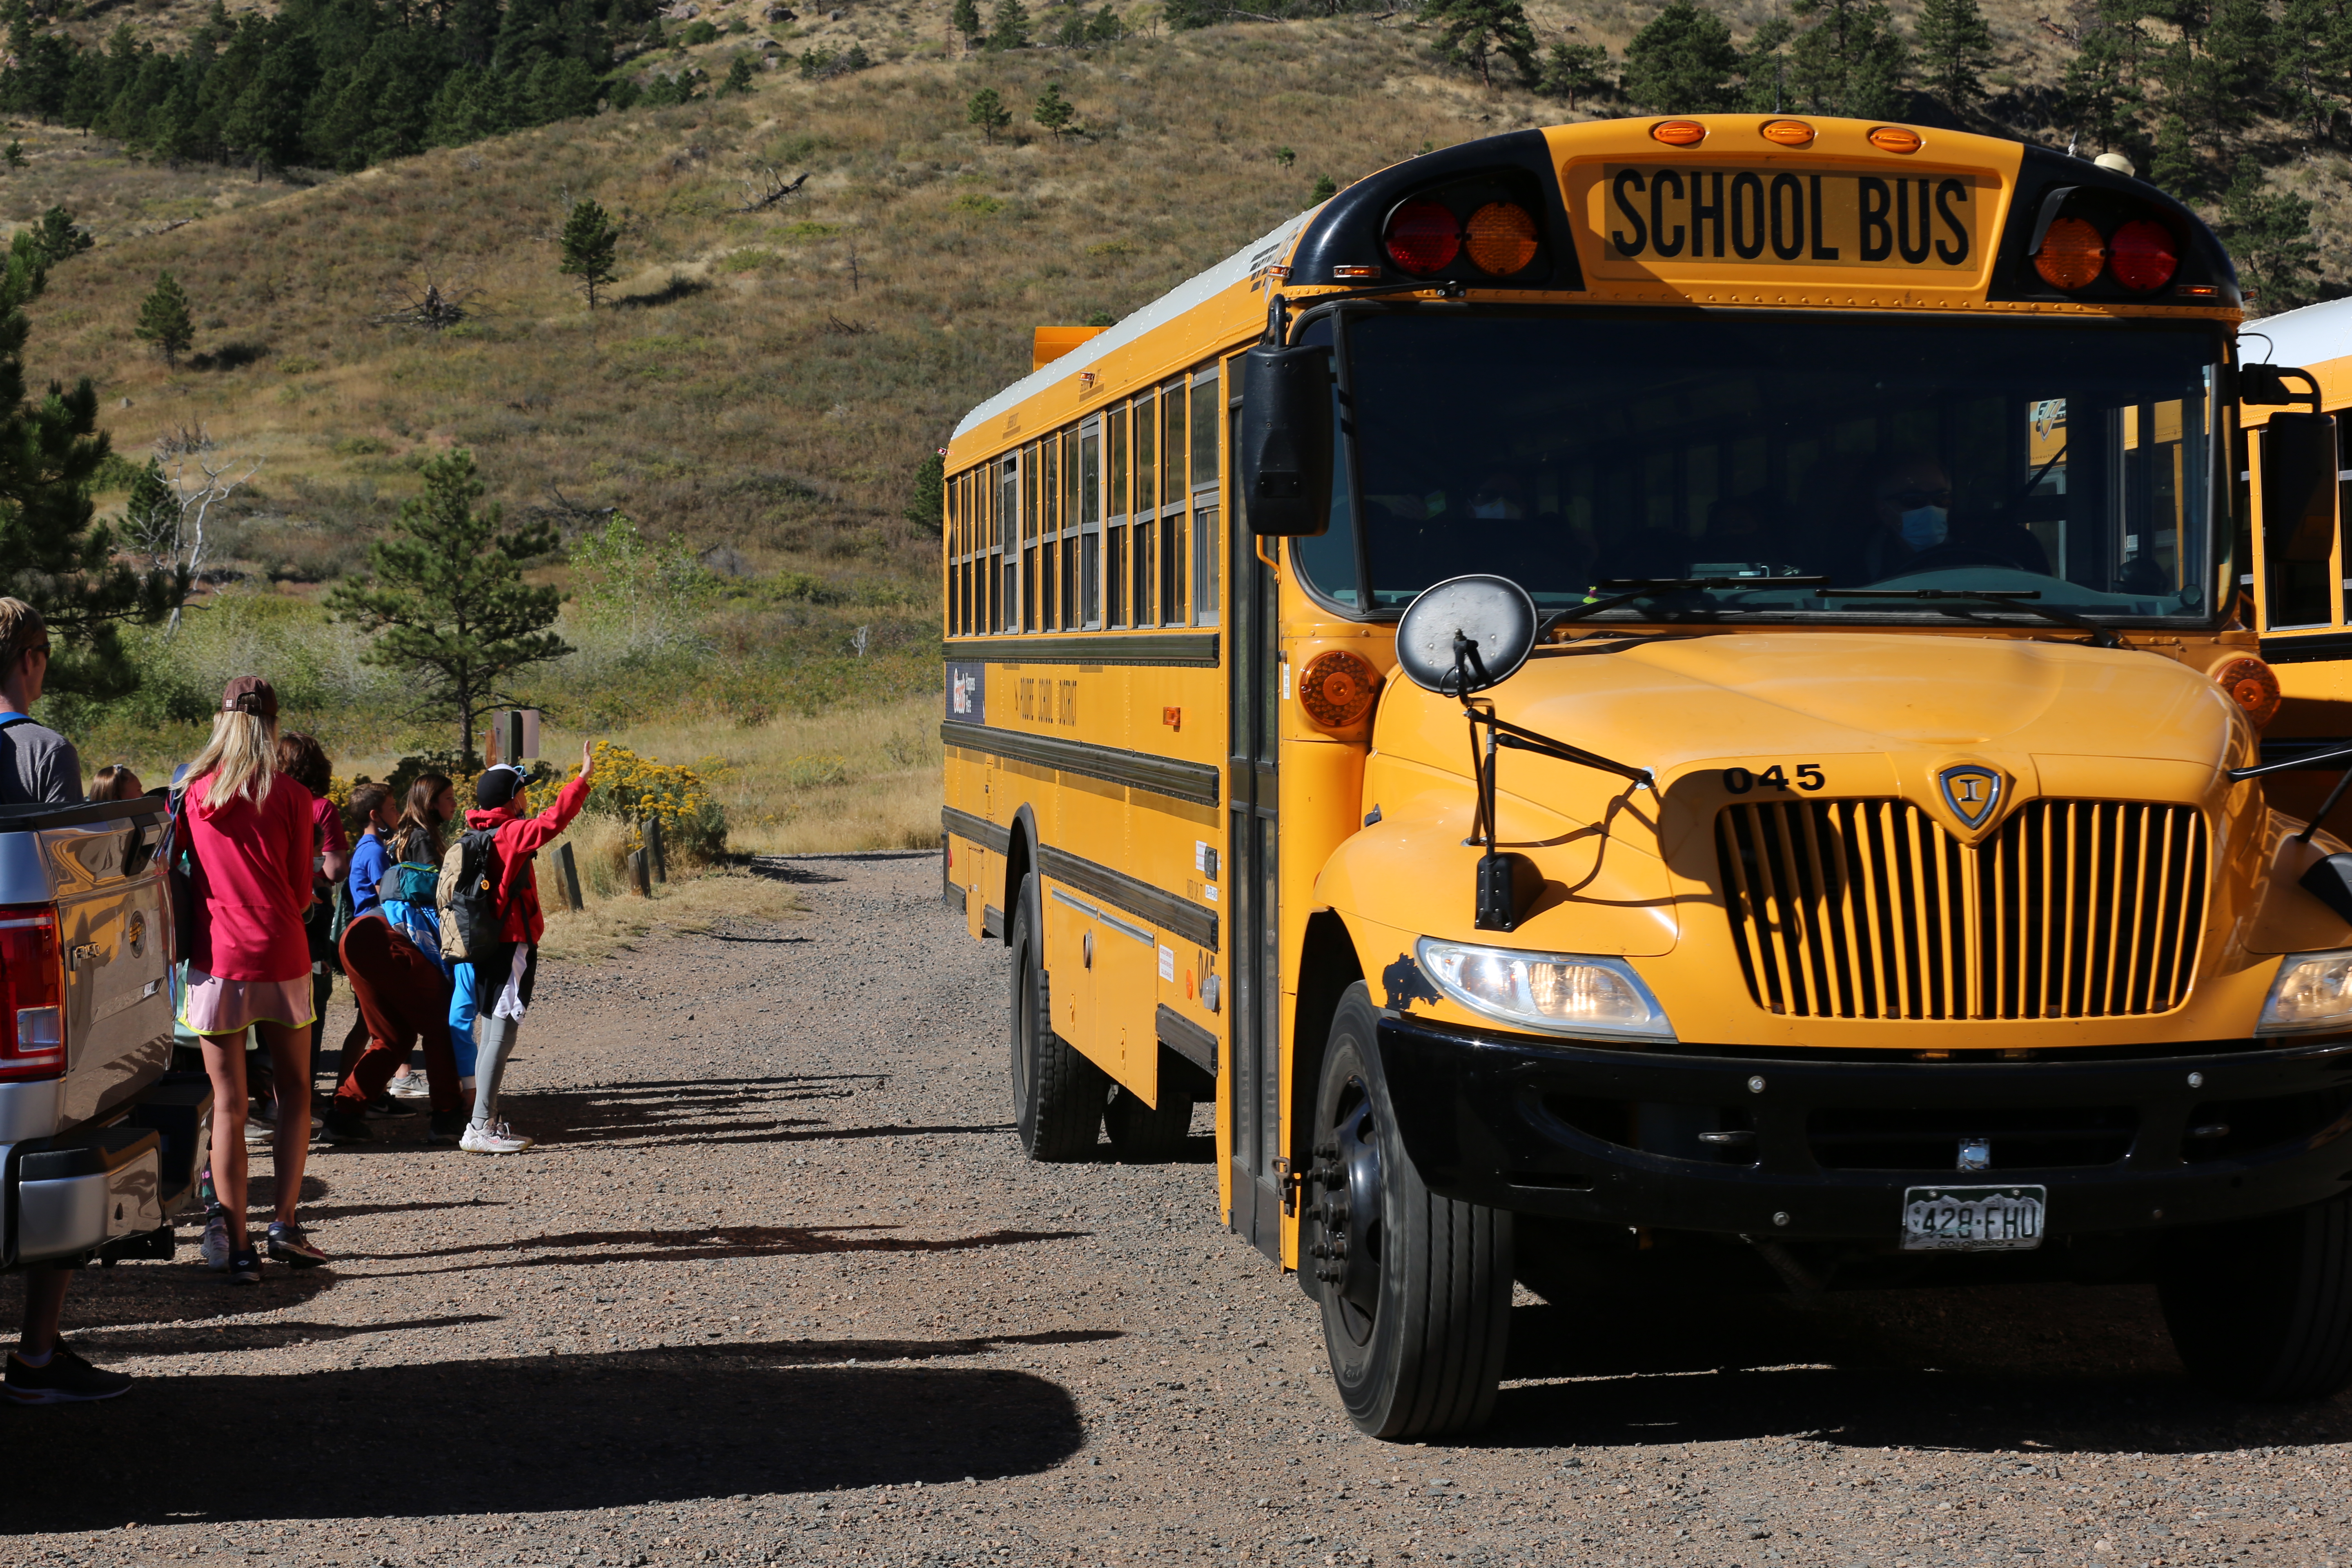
(1923,526)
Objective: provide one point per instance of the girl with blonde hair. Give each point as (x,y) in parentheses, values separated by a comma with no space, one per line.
(249,826)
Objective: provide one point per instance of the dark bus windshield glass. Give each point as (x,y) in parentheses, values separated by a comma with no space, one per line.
(2074,462)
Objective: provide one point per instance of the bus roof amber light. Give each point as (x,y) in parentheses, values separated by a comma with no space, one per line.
(1679,133)
(1336,689)
(2073,254)
(1894,139)
(1501,238)
(1787,133)
(2143,256)
(2252,686)
(1422,237)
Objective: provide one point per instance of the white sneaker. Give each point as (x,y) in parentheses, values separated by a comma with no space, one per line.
(411,1087)
(213,1250)
(494,1140)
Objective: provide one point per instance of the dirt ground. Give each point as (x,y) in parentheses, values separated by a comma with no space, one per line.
(777,1286)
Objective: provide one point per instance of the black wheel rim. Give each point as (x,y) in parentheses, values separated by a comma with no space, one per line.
(1348,1169)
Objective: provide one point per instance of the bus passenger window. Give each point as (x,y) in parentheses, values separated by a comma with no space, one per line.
(1147,482)
(1171,568)
(1090,527)
(1115,534)
(1206,426)
(1172,446)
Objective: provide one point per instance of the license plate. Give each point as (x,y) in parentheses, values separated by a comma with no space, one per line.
(1673,221)
(1972,1219)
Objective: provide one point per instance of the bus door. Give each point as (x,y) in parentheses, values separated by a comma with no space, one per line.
(1254,1082)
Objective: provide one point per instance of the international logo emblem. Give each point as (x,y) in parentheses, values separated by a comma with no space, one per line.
(1972,791)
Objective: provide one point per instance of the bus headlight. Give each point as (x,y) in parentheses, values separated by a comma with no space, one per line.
(1559,993)
(2313,990)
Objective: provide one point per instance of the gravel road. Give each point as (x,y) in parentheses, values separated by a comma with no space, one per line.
(778,1286)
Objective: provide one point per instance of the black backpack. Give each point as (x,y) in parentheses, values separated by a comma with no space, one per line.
(467,896)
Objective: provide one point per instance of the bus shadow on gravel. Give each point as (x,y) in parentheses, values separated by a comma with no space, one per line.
(532,1435)
(2055,1368)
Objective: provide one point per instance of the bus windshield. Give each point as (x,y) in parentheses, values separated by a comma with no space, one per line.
(1583,456)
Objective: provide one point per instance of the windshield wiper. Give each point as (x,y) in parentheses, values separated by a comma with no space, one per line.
(1650,587)
(2102,634)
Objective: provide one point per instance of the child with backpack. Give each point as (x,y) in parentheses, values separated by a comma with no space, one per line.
(490,923)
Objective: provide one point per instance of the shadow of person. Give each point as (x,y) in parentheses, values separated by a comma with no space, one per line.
(608,1431)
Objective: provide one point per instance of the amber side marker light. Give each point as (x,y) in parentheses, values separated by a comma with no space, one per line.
(1336,689)
(1894,139)
(1501,237)
(2073,254)
(2252,686)
(1787,133)
(1679,133)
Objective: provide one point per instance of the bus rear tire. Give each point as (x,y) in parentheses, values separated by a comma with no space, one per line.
(1143,1134)
(1415,1289)
(1057,1093)
(2264,1310)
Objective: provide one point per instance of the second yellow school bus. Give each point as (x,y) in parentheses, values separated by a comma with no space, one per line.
(1803,832)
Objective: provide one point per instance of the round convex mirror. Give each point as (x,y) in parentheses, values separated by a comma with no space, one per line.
(1479,627)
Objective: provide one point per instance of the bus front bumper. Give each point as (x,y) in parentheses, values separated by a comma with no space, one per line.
(1782,1146)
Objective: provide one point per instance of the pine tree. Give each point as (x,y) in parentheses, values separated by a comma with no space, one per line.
(165,321)
(57,236)
(1955,48)
(1573,72)
(2174,166)
(987,111)
(739,76)
(2270,236)
(1325,187)
(1851,61)
(2101,87)
(965,20)
(1009,27)
(446,600)
(1680,63)
(1053,111)
(53,552)
(1473,32)
(590,241)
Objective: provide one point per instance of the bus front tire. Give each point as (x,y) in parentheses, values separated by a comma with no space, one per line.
(1415,1289)
(2264,1310)
(1057,1093)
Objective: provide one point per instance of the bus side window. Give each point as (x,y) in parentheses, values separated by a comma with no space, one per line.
(1029,537)
(1172,487)
(2298,534)
(1115,529)
(1207,396)
(1089,508)
(1147,483)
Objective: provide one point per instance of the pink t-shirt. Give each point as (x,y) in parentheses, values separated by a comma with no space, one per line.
(329,824)
(253,882)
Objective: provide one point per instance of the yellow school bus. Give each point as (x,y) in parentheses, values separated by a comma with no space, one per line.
(1662,700)
(2294,562)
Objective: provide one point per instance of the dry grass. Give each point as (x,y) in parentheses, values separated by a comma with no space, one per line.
(689,902)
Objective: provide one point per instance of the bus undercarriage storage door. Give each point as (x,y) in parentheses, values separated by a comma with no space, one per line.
(1254,1080)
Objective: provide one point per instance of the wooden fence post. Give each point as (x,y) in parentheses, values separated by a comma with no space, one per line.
(654,849)
(637,874)
(567,872)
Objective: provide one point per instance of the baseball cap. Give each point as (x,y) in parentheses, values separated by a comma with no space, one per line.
(251,694)
(498,785)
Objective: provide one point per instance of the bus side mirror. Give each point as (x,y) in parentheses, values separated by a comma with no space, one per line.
(2300,465)
(1284,462)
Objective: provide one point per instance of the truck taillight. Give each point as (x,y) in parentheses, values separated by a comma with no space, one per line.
(32,995)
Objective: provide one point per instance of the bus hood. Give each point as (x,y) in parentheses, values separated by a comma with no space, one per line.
(1788,715)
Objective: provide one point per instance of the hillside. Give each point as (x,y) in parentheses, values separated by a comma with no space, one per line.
(763,384)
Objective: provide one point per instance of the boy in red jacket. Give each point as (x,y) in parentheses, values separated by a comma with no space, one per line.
(502,976)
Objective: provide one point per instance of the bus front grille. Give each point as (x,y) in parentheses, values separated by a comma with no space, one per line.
(1869,909)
